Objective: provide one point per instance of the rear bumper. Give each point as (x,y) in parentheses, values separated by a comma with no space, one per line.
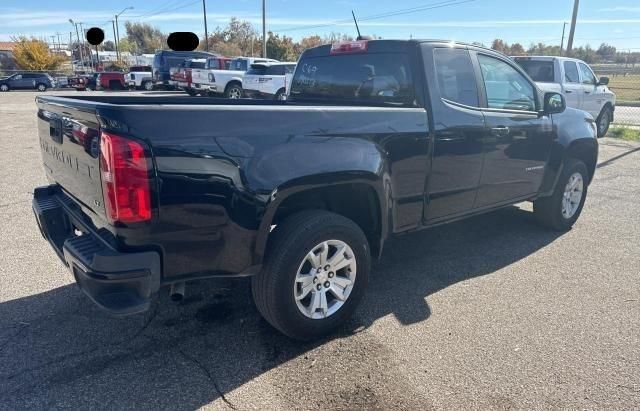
(119,283)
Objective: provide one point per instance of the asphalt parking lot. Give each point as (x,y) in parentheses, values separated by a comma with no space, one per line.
(492,312)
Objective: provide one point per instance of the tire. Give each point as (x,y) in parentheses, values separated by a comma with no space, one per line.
(287,253)
(147,85)
(191,92)
(550,211)
(4,88)
(115,85)
(41,87)
(88,88)
(604,121)
(233,91)
(281,95)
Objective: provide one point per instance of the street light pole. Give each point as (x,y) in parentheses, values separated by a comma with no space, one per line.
(264,28)
(113,24)
(118,31)
(90,57)
(206,32)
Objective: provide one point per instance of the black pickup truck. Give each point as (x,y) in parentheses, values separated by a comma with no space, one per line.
(377,138)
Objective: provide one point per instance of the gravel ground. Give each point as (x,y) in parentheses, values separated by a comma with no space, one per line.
(493,312)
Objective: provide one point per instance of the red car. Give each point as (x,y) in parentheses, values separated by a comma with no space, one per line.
(110,81)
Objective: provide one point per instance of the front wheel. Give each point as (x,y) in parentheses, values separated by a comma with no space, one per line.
(41,87)
(604,121)
(147,85)
(316,273)
(560,211)
(4,87)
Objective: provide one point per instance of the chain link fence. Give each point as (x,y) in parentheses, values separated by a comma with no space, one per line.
(625,82)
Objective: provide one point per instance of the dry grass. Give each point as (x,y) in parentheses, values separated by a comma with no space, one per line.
(625,133)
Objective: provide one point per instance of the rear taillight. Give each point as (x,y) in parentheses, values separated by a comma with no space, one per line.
(126,188)
(350,47)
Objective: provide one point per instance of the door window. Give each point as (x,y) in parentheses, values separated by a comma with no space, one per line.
(587,75)
(456,79)
(506,88)
(18,77)
(571,72)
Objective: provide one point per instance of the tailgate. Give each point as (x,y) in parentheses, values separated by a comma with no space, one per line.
(69,135)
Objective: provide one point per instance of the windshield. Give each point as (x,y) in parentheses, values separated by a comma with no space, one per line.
(538,70)
(375,78)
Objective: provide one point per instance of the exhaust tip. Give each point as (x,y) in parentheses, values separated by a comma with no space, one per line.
(176,293)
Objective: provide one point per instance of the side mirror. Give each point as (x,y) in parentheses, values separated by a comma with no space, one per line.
(604,81)
(554,103)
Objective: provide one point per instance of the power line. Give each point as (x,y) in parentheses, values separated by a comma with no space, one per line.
(392,13)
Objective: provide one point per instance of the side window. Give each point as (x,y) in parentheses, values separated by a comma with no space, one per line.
(18,77)
(290,69)
(571,72)
(506,88)
(456,78)
(587,75)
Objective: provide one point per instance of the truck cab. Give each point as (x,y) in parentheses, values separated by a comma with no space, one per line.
(577,82)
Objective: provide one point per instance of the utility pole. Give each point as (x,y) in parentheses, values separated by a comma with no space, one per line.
(79,44)
(564,27)
(59,42)
(118,31)
(264,28)
(53,41)
(70,40)
(572,32)
(206,32)
(90,57)
(113,24)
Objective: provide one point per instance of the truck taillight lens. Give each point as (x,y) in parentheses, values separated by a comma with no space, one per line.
(124,167)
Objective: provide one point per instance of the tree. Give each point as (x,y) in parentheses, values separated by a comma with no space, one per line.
(125,45)
(34,54)
(109,46)
(145,37)
(281,48)
(607,52)
(238,38)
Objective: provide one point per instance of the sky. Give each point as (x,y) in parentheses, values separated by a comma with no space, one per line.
(616,22)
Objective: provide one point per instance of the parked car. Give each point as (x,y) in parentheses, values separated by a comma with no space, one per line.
(378,138)
(62,81)
(27,81)
(577,82)
(110,81)
(200,76)
(165,59)
(139,77)
(268,80)
(83,82)
(228,83)
(182,78)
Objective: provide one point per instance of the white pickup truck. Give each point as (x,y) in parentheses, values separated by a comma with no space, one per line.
(268,81)
(227,83)
(139,77)
(577,82)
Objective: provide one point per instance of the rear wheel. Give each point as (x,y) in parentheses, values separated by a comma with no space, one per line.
(115,85)
(233,91)
(604,121)
(147,85)
(281,95)
(561,210)
(316,272)
(41,87)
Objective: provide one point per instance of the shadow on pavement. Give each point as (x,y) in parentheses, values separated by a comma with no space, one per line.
(57,350)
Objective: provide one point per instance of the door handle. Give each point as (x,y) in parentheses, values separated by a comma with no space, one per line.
(587,92)
(501,131)
(568,91)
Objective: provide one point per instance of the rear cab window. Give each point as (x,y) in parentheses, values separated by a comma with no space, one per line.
(456,77)
(571,72)
(375,76)
(542,71)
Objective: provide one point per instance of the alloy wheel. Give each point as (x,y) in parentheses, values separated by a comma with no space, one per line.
(572,196)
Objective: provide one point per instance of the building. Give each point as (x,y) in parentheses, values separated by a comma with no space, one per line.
(6,55)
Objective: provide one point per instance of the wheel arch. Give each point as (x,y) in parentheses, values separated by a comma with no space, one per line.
(361,200)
